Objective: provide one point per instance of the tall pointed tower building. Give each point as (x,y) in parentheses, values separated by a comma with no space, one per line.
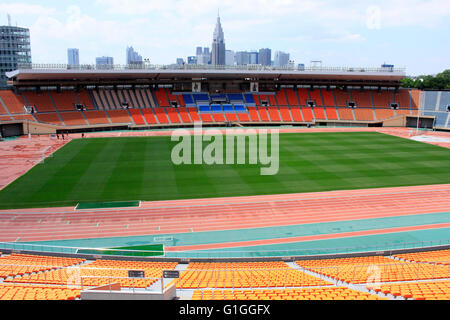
(218,45)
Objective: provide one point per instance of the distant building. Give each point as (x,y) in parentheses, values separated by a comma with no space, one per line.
(265,57)
(73,57)
(281,59)
(254,57)
(218,45)
(242,58)
(15,49)
(180,61)
(203,56)
(229,57)
(133,57)
(192,60)
(104,62)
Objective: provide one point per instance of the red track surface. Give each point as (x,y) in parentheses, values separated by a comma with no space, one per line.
(169,217)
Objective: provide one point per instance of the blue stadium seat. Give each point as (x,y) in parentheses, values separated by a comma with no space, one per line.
(240,108)
(249,99)
(188,99)
(228,108)
(204,108)
(216,108)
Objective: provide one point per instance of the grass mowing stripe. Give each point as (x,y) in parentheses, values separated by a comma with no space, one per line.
(130,168)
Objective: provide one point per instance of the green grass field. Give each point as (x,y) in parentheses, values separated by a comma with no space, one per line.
(140,168)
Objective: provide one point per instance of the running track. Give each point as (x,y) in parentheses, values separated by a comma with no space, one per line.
(171,217)
(181,216)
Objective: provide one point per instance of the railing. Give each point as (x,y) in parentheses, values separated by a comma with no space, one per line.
(193,67)
(386,247)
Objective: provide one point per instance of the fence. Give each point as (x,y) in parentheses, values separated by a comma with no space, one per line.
(211,254)
(192,67)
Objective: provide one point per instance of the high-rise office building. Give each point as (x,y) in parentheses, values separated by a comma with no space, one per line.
(192,60)
(281,59)
(15,49)
(133,57)
(265,57)
(253,57)
(203,55)
(229,57)
(242,58)
(73,57)
(104,62)
(218,45)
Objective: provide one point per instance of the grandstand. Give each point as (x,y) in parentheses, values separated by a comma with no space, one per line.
(358,212)
(70,103)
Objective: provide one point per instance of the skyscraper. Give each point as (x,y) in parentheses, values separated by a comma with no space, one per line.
(14,50)
(104,62)
(218,45)
(229,57)
(265,57)
(133,57)
(281,59)
(73,57)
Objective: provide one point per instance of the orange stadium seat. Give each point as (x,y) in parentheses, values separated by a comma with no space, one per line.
(321,293)
(64,100)
(296,114)
(273,113)
(403,99)
(161,98)
(173,115)
(364,114)
(73,118)
(307,114)
(292,97)
(51,118)
(331,113)
(382,114)
(23,117)
(328,98)
(194,114)
(219,117)
(254,115)
(149,116)
(161,115)
(272,100)
(382,99)
(5,118)
(281,98)
(263,114)
(206,117)
(415,99)
(231,117)
(345,114)
(362,99)
(119,116)
(302,96)
(315,96)
(97,117)
(285,114)
(137,116)
(40,100)
(14,103)
(184,114)
(319,113)
(342,98)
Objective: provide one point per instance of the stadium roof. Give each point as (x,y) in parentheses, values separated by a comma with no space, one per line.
(42,75)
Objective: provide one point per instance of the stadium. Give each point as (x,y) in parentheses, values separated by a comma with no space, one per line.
(93,207)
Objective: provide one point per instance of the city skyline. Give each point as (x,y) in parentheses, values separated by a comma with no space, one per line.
(407,34)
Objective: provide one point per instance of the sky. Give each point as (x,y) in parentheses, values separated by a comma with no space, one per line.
(411,34)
